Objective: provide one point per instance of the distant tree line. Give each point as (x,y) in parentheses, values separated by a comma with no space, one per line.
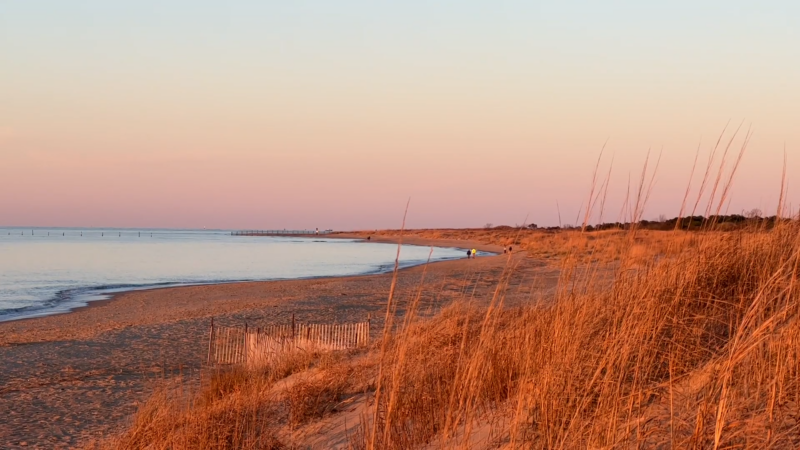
(724,222)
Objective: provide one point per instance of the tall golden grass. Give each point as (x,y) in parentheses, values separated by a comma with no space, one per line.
(699,350)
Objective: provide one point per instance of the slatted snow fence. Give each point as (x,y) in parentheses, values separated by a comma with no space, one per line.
(259,346)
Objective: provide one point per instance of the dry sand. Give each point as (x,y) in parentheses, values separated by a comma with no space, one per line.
(70,378)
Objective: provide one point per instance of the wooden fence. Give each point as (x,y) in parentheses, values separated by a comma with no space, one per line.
(260,346)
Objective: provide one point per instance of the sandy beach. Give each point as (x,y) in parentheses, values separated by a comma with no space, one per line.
(68,379)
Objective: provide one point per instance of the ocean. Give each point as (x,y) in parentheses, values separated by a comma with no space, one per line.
(47,271)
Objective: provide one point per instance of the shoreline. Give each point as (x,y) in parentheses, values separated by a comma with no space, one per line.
(423,242)
(112,296)
(412,241)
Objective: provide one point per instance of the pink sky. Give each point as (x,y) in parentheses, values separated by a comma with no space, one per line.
(156,124)
(290,182)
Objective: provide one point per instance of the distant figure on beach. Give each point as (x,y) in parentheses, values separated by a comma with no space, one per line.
(509,249)
(316,230)
(473,253)
(505,249)
(469,253)
(369,237)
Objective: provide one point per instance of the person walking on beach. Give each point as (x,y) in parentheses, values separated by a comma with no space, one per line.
(469,253)
(473,253)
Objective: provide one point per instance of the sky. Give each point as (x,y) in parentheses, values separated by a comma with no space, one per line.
(304,114)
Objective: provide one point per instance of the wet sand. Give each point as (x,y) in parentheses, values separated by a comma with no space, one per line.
(70,378)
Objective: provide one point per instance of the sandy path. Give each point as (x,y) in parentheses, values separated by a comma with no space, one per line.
(70,378)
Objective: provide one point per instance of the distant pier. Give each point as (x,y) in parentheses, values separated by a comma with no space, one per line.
(280,232)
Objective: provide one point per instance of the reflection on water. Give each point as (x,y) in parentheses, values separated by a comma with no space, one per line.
(45,271)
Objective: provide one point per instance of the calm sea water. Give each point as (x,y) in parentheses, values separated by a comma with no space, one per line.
(52,270)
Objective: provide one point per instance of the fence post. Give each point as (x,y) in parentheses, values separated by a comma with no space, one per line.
(293,326)
(210,341)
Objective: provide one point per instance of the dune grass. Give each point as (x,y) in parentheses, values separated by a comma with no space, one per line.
(698,350)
